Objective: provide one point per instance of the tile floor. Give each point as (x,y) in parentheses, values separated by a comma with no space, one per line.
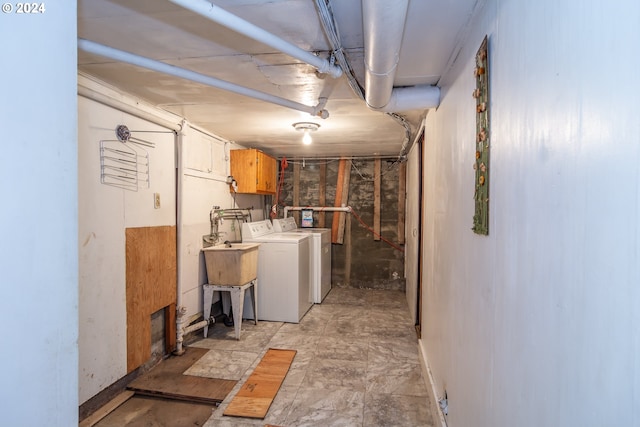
(357,364)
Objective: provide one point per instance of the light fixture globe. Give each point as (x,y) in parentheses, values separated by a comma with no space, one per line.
(307,128)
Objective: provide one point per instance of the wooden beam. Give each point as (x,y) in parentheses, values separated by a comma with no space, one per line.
(322,193)
(296,191)
(347,257)
(170,328)
(335,221)
(402,200)
(345,199)
(376,199)
(111,406)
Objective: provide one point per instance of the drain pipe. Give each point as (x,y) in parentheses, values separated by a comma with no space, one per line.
(161,67)
(181,311)
(183,330)
(383,25)
(220,16)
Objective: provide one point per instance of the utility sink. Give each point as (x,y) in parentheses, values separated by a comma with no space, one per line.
(231,264)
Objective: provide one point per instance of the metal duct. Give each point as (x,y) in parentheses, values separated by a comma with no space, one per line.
(161,67)
(413,98)
(383,24)
(217,14)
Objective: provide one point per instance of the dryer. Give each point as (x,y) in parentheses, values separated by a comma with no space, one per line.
(283,272)
(320,255)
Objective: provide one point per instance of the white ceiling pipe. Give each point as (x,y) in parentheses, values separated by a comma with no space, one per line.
(412,98)
(317,209)
(217,14)
(383,23)
(172,70)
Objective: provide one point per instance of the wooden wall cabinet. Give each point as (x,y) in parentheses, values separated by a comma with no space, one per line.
(254,171)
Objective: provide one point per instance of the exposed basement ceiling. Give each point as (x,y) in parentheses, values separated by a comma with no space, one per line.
(163,31)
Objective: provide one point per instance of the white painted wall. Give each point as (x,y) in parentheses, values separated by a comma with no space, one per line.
(412,227)
(38,219)
(104,214)
(106,211)
(538,323)
(205,170)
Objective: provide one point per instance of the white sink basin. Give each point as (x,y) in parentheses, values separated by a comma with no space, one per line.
(232,265)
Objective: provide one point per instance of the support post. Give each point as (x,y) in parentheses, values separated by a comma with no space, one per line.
(376,199)
(322,193)
(402,200)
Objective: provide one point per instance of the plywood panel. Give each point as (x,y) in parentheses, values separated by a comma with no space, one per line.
(167,380)
(256,395)
(150,283)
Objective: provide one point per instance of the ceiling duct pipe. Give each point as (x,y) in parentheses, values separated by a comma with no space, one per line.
(172,70)
(383,23)
(220,16)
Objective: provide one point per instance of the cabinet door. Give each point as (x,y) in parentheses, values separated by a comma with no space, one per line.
(254,171)
(266,182)
(243,169)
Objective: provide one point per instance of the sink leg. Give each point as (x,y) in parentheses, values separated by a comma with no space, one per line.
(253,290)
(208,300)
(237,301)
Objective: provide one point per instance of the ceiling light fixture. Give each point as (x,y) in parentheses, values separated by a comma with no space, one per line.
(307,128)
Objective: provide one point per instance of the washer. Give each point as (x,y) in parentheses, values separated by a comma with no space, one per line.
(283,272)
(320,255)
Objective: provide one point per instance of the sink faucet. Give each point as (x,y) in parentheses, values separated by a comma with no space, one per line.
(215,217)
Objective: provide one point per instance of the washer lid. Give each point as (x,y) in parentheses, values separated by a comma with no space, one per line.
(284,224)
(293,238)
(288,237)
(313,230)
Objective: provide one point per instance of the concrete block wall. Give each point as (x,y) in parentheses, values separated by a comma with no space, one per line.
(373,264)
